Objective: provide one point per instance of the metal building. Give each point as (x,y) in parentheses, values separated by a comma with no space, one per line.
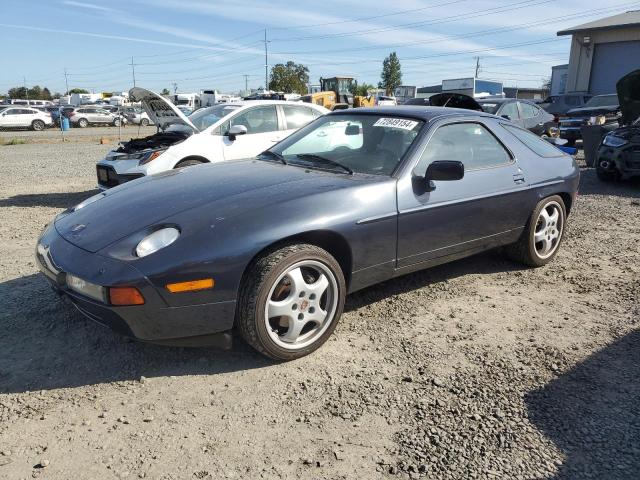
(602,52)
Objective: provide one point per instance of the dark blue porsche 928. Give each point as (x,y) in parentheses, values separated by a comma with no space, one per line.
(271,245)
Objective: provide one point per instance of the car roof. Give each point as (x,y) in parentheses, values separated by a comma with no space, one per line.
(416,111)
(497,100)
(242,103)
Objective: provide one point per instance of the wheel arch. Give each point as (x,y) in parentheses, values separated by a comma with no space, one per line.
(567,199)
(334,243)
(192,157)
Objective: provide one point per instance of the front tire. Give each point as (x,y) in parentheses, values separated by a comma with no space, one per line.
(37,125)
(291,300)
(144,122)
(606,172)
(189,163)
(83,122)
(541,239)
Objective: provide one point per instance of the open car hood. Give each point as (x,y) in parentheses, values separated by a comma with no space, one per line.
(628,89)
(160,110)
(454,100)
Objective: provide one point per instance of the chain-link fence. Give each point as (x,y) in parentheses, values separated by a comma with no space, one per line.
(84,123)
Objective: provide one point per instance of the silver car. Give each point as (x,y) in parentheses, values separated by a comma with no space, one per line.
(84,116)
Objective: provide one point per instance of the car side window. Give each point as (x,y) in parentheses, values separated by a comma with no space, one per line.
(528,110)
(511,109)
(297,117)
(533,142)
(11,111)
(258,119)
(470,143)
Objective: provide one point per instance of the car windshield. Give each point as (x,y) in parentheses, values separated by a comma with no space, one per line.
(205,117)
(350,143)
(490,107)
(602,101)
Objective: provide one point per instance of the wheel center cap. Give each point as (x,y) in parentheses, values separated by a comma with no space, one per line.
(304,305)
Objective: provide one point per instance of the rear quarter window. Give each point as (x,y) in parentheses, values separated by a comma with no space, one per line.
(533,142)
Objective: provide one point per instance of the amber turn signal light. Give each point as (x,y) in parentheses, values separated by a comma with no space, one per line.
(125,296)
(191,286)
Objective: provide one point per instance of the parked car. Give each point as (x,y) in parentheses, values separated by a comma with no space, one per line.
(599,110)
(24,117)
(272,244)
(619,153)
(185,110)
(417,101)
(561,104)
(521,112)
(85,116)
(137,116)
(385,101)
(226,131)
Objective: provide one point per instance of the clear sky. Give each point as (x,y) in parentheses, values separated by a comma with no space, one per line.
(202,44)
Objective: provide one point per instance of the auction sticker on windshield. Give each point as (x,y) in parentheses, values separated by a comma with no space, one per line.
(396,123)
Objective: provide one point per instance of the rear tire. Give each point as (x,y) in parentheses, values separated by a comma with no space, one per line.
(144,122)
(541,238)
(37,125)
(304,283)
(116,122)
(83,122)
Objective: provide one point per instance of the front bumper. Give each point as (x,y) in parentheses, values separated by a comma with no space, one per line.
(109,178)
(155,321)
(625,159)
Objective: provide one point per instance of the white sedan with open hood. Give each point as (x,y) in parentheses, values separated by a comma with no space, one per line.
(227,131)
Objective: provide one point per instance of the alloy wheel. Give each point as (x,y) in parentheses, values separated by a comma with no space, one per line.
(549,230)
(301,304)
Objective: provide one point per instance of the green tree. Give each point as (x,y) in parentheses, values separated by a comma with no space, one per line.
(361,89)
(165,91)
(18,92)
(289,78)
(78,90)
(391,74)
(35,93)
(46,94)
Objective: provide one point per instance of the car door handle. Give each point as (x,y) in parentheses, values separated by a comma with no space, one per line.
(322,134)
(518,178)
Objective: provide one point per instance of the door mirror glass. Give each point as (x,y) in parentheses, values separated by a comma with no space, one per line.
(445,170)
(236,130)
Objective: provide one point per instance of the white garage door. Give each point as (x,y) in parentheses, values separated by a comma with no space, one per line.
(612,61)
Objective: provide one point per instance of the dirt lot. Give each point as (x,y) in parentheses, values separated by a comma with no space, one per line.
(478,369)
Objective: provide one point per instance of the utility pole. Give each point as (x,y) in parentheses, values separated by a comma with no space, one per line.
(266,62)
(133,71)
(66,80)
(246,82)
(477,66)
(175,88)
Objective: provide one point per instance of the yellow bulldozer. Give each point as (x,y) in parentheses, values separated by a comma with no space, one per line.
(336,94)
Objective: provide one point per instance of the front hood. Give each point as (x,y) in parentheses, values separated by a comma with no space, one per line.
(160,110)
(592,111)
(628,89)
(229,188)
(454,100)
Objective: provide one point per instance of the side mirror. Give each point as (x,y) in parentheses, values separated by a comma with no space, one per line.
(443,171)
(508,117)
(235,131)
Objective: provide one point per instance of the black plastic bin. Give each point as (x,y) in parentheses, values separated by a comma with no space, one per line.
(591,138)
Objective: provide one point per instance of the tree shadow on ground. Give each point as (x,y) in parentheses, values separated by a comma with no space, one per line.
(53,200)
(592,413)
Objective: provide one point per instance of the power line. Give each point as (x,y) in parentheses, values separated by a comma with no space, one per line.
(374,17)
(478,13)
(471,34)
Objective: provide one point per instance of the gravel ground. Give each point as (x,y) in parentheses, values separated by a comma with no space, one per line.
(477,369)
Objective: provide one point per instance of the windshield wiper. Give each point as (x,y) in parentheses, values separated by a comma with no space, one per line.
(275,155)
(318,158)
